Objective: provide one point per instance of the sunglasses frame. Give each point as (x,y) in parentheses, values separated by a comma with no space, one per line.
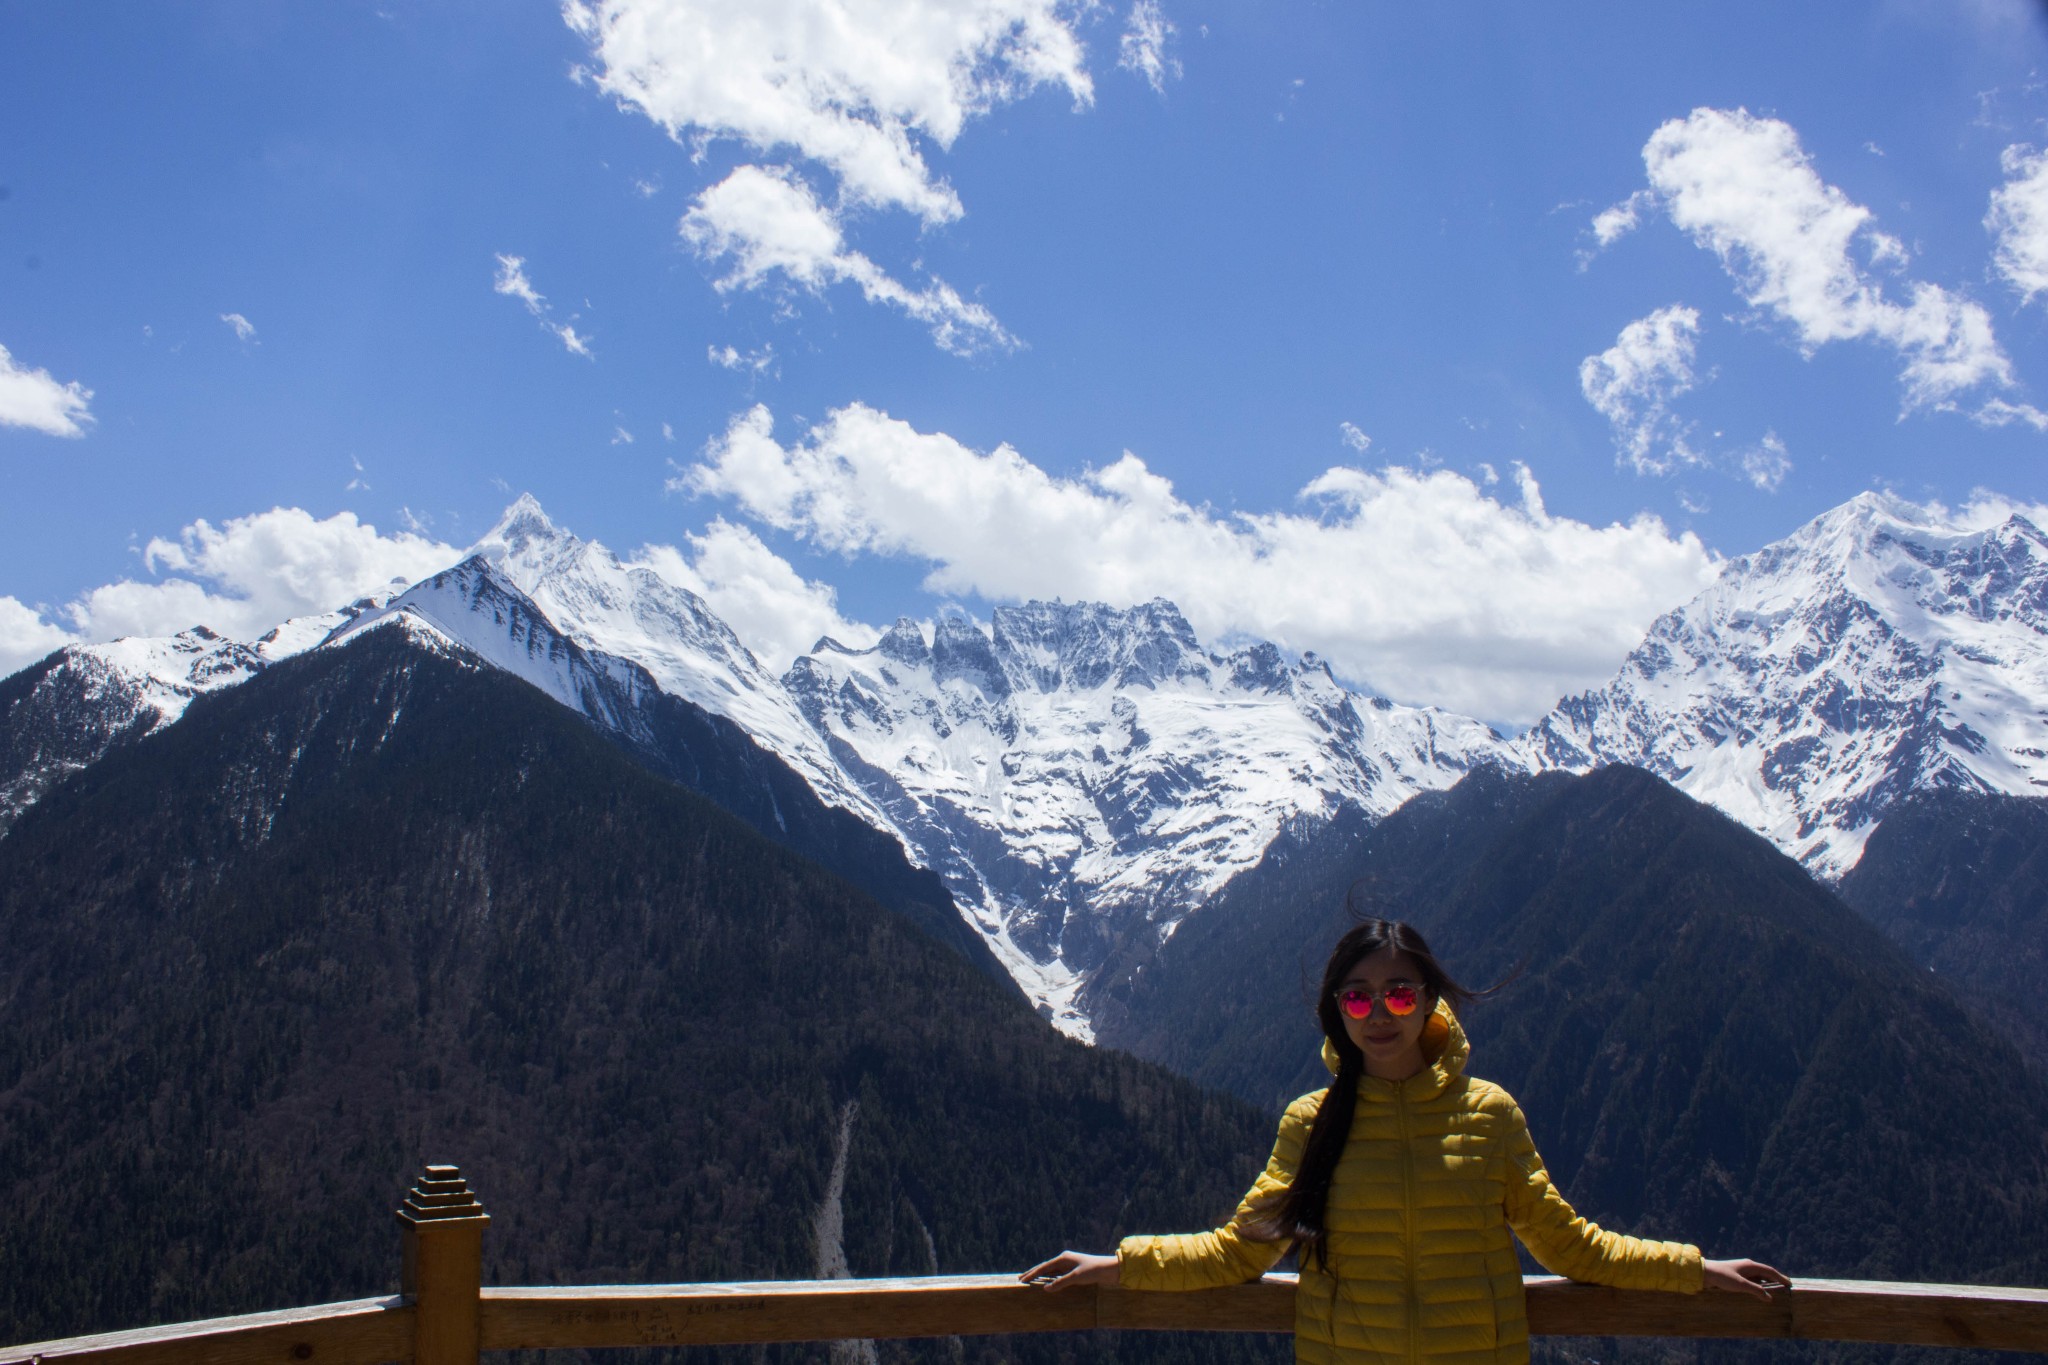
(1376,999)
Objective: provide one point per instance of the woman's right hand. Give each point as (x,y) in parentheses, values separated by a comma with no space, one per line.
(1070,1268)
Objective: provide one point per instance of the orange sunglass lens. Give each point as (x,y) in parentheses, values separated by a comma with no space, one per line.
(1401,1000)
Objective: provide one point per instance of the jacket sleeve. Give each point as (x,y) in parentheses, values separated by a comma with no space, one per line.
(1566,1244)
(1203,1260)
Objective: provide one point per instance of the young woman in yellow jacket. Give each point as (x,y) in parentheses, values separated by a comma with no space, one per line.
(1400,1183)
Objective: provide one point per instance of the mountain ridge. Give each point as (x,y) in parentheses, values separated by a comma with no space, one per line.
(1082,776)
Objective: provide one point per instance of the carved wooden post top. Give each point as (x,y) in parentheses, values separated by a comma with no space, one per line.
(441,1195)
(443,1235)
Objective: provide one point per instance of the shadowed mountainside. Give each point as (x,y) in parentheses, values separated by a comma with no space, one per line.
(1959,880)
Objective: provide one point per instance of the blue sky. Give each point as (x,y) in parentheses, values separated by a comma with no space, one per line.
(297,271)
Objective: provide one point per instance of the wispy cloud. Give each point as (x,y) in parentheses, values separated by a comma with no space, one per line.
(245,330)
(31,398)
(1766,463)
(731,357)
(1354,438)
(768,224)
(1633,382)
(1492,606)
(1143,46)
(1804,254)
(1616,221)
(511,281)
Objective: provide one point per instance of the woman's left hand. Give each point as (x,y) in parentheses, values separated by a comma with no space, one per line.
(1743,1277)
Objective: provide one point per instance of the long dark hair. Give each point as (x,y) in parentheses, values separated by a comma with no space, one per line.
(1298,1213)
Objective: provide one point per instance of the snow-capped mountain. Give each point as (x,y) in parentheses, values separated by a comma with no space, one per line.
(631,612)
(1880,649)
(1083,776)
(65,712)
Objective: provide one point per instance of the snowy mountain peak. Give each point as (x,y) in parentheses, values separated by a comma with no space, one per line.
(523,535)
(66,712)
(1082,646)
(630,611)
(1881,648)
(903,642)
(960,652)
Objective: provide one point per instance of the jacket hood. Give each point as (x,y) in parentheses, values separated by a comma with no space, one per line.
(1444,1047)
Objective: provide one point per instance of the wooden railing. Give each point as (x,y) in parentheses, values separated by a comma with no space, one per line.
(445,1316)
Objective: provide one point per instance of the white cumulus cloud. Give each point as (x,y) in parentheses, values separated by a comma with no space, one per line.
(776,611)
(1143,46)
(1418,583)
(1801,251)
(25,636)
(31,398)
(1632,383)
(246,575)
(766,222)
(510,280)
(2018,221)
(860,87)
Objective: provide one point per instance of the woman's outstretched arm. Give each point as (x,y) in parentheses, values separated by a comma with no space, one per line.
(1566,1244)
(1196,1260)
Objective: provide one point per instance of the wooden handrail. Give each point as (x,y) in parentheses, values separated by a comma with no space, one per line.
(445,1316)
(372,1331)
(360,1332)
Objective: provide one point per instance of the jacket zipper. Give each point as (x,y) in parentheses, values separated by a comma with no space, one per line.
(1408,1220)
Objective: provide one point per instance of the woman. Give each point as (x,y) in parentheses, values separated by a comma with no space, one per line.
(1400,1183)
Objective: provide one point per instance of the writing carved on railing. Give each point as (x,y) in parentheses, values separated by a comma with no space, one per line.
(446,1316)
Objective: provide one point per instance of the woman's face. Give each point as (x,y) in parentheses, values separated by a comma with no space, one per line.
(1392,1043)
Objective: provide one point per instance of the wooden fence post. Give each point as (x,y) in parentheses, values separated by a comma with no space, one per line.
(444,1235)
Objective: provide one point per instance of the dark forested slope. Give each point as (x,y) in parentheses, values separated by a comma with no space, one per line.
(378,907)
(1959,880)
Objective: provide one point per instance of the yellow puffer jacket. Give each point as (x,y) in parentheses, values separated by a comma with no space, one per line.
(1437,1169)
